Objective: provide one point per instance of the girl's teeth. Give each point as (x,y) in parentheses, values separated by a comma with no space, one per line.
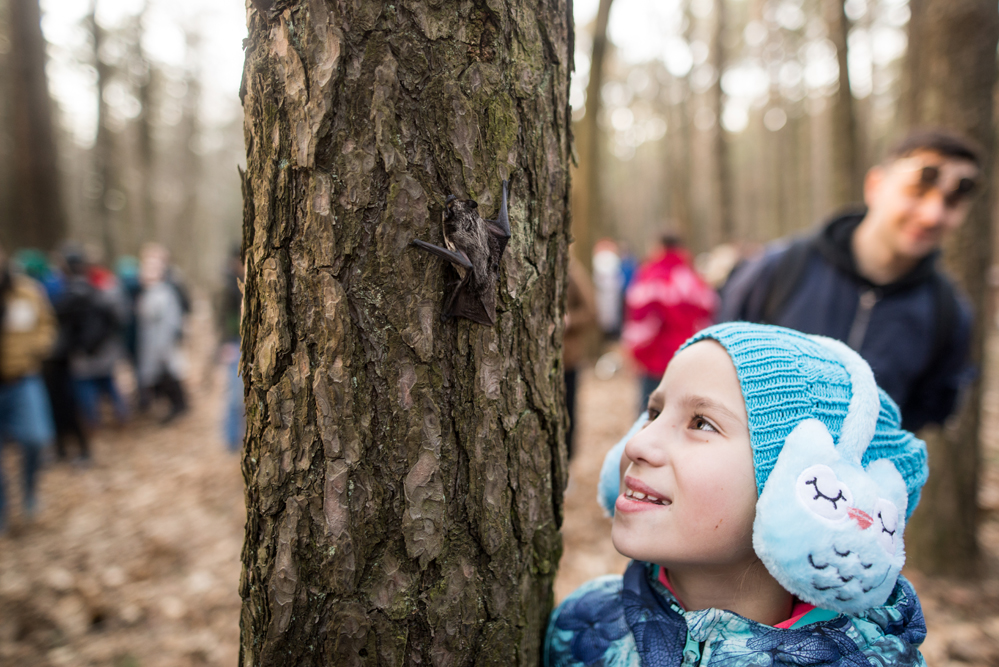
(652,499)
(638,495)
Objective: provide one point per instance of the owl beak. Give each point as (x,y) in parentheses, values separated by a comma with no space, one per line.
(862,518)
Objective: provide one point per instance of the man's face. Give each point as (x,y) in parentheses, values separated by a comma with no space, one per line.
(917,200)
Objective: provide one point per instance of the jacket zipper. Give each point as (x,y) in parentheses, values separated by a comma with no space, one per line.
(862,318)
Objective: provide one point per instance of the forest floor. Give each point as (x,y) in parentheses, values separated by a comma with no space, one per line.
(134,561)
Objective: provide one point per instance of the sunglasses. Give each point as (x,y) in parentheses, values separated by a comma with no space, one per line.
(953,181)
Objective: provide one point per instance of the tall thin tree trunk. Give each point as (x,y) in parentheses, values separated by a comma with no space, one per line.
(915,62)
(186,233)
(956,74)
(721,167)
(587,203)
(38,218)
(145,229)
(847,180)
(678,157)
(6,125)
(404,474)
(105,189)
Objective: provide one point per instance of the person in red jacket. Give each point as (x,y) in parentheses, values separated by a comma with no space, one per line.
(666,303)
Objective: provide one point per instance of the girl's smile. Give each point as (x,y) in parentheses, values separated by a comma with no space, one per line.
(639,497)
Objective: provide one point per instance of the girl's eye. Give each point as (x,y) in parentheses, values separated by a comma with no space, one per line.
(653,413)
(699,423)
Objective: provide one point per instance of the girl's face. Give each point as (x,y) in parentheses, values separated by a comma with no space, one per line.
(688,497)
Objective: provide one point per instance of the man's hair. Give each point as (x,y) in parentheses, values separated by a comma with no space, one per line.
(936,140)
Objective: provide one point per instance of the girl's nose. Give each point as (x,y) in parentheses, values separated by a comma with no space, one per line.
(647,446)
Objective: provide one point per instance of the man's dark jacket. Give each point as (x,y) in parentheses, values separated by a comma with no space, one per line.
(918,353)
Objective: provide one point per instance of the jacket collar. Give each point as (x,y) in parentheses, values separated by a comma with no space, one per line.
(834,243)
(661,629)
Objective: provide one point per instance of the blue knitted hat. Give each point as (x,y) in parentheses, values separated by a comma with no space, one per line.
(788,377)
(837,476)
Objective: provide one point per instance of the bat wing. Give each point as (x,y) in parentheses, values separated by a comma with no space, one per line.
(457,258)
(463,302)
(501,225)
(499,232)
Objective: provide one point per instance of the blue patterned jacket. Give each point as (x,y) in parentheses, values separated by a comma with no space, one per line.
(634,620)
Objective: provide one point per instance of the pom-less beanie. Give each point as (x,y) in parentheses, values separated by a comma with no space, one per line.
(788,377)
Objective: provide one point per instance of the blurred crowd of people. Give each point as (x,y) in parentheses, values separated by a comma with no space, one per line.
(71,325)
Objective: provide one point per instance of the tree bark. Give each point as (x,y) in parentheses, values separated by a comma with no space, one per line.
(587,202)
(404,475)
(38,217)
(956,74)
(846,186)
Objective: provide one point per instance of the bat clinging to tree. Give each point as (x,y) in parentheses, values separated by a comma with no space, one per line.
(475,247)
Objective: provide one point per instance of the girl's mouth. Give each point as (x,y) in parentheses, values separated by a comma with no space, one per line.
(643,493)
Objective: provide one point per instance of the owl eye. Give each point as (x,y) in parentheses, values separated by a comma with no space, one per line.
(823,494)
(886,521)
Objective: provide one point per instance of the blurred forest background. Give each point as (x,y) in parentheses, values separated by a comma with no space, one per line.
(733,119)
(736,120)
(133,136)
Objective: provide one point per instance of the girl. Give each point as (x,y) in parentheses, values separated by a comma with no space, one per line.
(763,503)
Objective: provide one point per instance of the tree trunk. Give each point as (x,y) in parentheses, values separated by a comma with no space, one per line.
(587,203)
(956,75)
(404,474)
(722,169)
(145,229)
(105,191)
(846,185)
(38,217)
(678,158)
(187,237)
(6,125)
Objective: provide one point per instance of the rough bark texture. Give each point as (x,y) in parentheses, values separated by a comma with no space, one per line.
(587,203)
(38,217)
(956,75)
(403,475)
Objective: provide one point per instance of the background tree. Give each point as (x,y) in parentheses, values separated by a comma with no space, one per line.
(846,176)
(956,71)
(6,126)
(587,199)
(108,196)
(720,158)
(404,475)
(37,216)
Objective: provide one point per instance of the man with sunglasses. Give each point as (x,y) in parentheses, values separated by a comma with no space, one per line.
(870,278)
